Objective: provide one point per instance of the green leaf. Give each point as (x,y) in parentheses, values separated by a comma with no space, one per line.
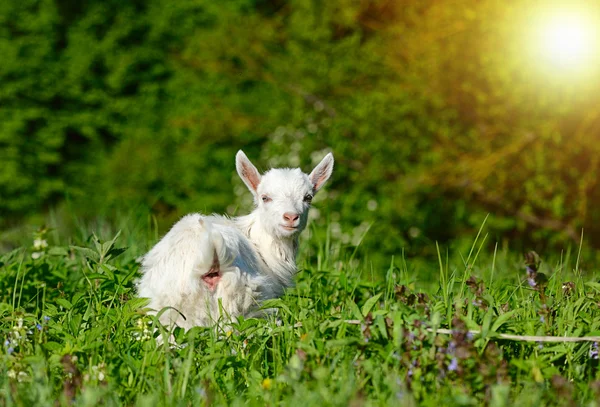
(501,320)
(594,285)
(276,303)
(88,253)
(354,308)
(64,303)
(487,321)
(370,303)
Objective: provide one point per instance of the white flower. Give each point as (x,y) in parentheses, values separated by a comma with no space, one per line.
(39,244)
(36,255)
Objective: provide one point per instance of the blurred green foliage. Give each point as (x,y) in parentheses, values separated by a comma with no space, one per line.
(434,111)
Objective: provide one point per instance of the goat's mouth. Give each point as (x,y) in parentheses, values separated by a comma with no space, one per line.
(289,228)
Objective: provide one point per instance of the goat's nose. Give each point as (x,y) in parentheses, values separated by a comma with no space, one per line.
(290,217)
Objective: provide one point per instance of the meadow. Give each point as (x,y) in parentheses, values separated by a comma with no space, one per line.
(463,140)
(74,333)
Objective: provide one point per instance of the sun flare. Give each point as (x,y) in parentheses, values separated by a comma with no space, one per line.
(567,39)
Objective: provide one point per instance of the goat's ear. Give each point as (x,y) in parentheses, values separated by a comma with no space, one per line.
(322,172)
(247,171)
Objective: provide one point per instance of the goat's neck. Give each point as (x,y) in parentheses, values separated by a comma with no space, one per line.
(279,255)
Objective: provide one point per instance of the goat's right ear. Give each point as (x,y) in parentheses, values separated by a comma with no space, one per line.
(247,171)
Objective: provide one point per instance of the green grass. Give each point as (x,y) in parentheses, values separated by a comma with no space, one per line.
(73,332)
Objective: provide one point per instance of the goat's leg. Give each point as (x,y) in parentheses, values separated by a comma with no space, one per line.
(235,294)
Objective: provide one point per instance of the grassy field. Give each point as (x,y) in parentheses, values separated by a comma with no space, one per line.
(74,333)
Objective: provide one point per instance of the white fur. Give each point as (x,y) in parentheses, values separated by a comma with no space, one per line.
(256,252)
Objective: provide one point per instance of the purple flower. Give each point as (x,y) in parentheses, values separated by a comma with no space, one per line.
(531,282)
(453,366)
(6,342)
(470,335)
(540,345)
(10,350)
(542,319)
(46,318)
(451,347)
(530,271)
(410,372)
(594,351)
(38,326)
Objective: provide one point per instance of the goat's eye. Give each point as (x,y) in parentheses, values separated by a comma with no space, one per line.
(308,198)
(266,198)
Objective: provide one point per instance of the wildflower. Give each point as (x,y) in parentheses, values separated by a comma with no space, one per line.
(40,244)
(479,303)
(46,318)
(6,342)
(451,347)
(12,374)
(540,345)
(542,319)
(36,255)
(10,350)
(38,326)
(453,366)
(470,335)
(594,351)
(531,282)
(266,384)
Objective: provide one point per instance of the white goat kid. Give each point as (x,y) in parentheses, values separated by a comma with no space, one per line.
(208,266)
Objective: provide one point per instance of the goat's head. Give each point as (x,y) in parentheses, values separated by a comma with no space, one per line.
(283,195)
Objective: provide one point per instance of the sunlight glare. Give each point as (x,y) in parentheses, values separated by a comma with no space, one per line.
(567,39)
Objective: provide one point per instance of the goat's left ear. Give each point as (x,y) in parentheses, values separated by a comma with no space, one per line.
(247,171)
(322,172)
